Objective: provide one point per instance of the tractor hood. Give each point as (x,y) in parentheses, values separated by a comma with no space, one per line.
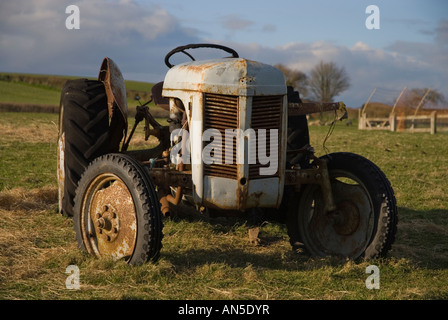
(229,76)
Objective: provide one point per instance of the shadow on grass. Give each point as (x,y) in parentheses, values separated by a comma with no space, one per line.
(422,239)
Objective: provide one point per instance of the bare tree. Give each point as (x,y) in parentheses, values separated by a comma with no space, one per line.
(327,81)
(294,78)
(434,98)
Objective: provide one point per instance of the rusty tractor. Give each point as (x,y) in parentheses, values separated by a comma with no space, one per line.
(237,140)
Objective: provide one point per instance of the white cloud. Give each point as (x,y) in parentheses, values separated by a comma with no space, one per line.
(33,37)
(415,65)
(360,46)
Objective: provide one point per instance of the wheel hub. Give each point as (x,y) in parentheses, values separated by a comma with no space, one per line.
(346,218)
(107,223)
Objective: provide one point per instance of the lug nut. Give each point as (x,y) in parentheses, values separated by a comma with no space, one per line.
(100,223)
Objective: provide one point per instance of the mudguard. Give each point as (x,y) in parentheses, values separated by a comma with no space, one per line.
(115,87)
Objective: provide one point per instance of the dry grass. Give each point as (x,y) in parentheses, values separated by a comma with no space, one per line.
(27,244)
(35,132)
(21,199)
(29,128)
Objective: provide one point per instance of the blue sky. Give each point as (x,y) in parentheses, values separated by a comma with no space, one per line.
(410,48)
(275,23)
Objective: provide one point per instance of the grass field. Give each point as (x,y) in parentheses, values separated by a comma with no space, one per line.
(25,90)
(213,259)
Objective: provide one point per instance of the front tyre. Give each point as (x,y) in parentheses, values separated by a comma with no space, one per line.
(117,212)
(365,222)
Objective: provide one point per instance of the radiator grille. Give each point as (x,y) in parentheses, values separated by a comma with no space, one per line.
(266,114)
(221,112)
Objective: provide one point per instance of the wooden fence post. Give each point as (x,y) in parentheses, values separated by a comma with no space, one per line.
(360,119)
(433,122)
(393,122)
(363,121)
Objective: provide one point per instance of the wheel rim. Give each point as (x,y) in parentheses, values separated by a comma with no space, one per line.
(346,232)
(108,218)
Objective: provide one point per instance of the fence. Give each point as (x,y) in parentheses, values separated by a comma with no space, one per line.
(431,123)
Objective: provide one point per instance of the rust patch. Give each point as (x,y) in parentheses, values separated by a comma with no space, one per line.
(241,196)
(113,215)
(113,81)
(199,68)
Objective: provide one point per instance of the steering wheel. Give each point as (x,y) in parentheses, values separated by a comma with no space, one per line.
(196,46)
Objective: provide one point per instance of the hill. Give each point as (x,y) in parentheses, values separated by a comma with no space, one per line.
(41,93)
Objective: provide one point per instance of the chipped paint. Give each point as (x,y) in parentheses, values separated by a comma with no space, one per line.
(61,169)
(229,76)
(115,87)
(61,159)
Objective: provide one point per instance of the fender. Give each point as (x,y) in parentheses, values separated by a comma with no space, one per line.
(115,88)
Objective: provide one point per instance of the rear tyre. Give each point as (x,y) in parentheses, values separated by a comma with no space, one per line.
(117,211)
(83,135)
(365,222)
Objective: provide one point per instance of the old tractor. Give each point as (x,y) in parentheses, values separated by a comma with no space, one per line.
(236,140)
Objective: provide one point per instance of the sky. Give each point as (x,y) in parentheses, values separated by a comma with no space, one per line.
(410,48)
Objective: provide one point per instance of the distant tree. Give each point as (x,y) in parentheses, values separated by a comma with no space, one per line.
(294,78)
(414,96)
(326,81)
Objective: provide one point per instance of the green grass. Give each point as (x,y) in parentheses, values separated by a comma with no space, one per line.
(27,93)
(27,150)
(46,90)
(212,259)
